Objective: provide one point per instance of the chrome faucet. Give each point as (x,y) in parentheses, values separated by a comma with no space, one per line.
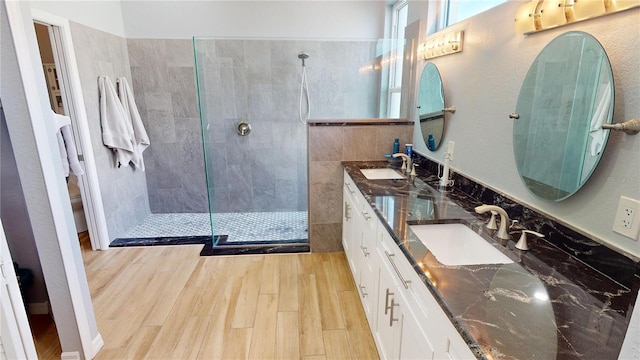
(504,219)
(406,161)
(522,243)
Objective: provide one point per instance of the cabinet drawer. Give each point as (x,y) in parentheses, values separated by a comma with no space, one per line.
(443,336)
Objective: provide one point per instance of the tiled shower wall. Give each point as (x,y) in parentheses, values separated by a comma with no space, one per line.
(124,190)
(165,89)
(257,81)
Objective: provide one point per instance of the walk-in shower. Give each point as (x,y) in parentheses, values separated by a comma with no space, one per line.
(264,174)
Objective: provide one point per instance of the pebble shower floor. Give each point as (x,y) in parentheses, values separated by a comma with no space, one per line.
(240,227)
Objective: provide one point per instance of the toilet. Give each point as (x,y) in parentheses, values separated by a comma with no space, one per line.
(76,206)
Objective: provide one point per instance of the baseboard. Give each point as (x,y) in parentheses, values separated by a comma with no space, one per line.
(71,355)
(41,308)
(97,343)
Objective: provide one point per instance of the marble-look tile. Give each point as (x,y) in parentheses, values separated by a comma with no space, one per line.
(286,197)
(157,105)
(179,52)
(232,50)
(220,200)
(326,237)
(188,130)
(184,98)
(143,52)
(161,130)
(328,198)
(326,143)
(360,143)
(153,77)
(385,135)
(263,198)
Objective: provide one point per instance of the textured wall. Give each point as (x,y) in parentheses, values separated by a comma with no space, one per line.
(483,82)
(124,190)
(329,145)
(253,80)
(165,86)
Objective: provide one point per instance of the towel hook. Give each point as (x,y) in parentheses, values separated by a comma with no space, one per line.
(630,127)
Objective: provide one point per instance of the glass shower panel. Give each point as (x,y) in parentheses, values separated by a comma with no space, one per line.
(257,180)
(207,91)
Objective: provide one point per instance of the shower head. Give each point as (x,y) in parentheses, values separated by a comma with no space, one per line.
(302,56)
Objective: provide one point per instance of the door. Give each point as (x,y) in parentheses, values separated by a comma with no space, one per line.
(69,98)
(15,334)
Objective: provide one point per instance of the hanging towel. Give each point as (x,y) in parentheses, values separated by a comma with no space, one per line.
(68,152)
(117,132)
(600,116)
(140,138)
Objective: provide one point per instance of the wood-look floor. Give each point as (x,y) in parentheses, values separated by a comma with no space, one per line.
(170,303)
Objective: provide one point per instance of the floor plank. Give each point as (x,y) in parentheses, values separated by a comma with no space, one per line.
(288,335)
(263,341)
(170,303)
(311,342)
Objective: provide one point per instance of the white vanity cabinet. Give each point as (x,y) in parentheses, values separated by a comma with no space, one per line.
(401,327)
(359,239)
(406,320)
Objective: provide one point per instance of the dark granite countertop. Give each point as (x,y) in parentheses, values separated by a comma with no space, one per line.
(546,305)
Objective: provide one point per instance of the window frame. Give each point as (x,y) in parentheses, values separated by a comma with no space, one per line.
(395,54)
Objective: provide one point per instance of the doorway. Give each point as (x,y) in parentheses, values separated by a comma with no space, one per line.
(51,75)
(65,95)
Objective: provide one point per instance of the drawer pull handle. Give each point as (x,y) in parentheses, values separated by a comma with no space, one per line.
(386,302)
(366,215)
(405,283)
(347,216)
(391,318)
(364,294)
(364,250)
(349,188)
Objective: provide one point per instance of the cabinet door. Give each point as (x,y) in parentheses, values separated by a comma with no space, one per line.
(414,343)
(350,235)
(388,325)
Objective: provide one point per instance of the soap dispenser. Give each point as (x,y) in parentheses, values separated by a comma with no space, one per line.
(396,146)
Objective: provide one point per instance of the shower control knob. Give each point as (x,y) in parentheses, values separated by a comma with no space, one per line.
(243,128)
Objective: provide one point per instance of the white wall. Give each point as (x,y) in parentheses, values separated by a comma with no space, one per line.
(483,82)
(263,19)
(184,19)
(99,14)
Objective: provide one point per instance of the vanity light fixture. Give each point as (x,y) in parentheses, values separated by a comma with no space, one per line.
(528,17)
(441,44)
(537,15)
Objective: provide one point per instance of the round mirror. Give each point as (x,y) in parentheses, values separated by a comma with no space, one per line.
(430,106)
(566,97)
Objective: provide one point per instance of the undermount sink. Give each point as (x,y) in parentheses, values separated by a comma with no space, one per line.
(381,174)
(456,244)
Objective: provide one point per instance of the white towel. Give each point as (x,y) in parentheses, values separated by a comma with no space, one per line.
(600,116)
(140,138)
(117,132)
(68,152)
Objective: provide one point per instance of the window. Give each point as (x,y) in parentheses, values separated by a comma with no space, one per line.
(454,11)
(398,24)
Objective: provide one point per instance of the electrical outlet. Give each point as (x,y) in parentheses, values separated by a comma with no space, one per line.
(450,148)
(625,222)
